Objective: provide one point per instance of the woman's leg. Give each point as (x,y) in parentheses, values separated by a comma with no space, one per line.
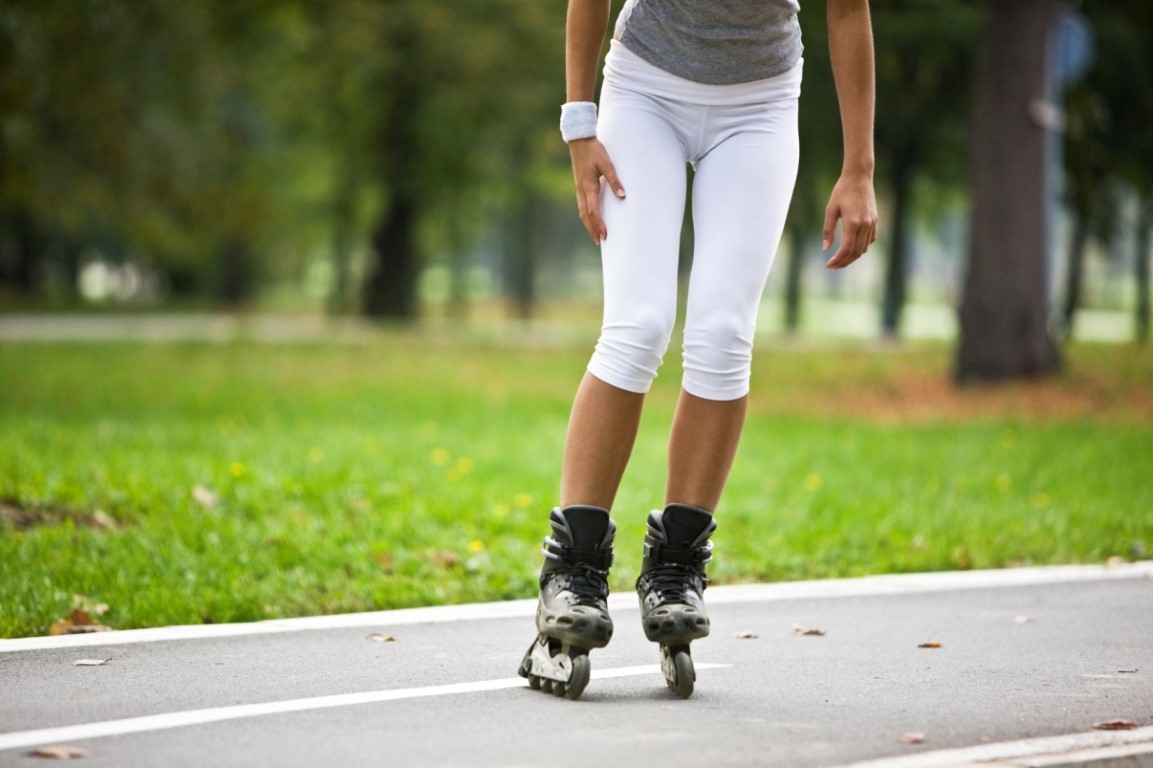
(601,433)
(741,196)
(639,261)
(702,447)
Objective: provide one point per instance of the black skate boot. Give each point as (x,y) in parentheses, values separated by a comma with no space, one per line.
(571,615)
(672,579)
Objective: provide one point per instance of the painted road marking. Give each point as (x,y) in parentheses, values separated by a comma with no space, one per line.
(1070,749)
(867,586)
(148,723)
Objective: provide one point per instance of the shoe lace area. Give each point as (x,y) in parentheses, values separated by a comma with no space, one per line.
(672,583)
(589,585)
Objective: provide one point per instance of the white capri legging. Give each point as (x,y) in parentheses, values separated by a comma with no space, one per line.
(742,142)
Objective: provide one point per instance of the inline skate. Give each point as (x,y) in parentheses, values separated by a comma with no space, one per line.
(571,617)
(677,547)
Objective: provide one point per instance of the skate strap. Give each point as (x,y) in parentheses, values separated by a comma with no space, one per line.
(600,559)
(665,555)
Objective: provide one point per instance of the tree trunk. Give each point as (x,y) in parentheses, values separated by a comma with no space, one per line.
(343,227)
(896,267)
(520,264)
(1004,308)
(236,272)
(1141,272)
(1075,273)
(793,272)
(390,286)
(21,253)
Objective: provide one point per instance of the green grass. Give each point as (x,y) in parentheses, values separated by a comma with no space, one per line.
(249,481)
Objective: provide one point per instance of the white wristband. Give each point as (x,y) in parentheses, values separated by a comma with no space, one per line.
(578,120)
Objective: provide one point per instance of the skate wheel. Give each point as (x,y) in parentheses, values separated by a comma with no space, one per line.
(546,685)
(581,670)
(685,675)
(534,682)
(558,688)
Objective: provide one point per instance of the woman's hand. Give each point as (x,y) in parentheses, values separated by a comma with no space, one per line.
(590,162)
(854,203)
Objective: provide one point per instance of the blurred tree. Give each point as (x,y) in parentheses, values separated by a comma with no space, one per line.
(924,52)
(461,89)
(136,127)
(1004,309)
(1108,153)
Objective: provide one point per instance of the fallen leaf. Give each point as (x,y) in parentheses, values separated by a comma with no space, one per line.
(444,558)
(805,631)
(91,662)
(79,622)
(59,752)
(746,634)
(104,520)
(929,645)
(1115,560)
(1115,725)
(912,737)
(377,637)
(1022,619)
(204,497)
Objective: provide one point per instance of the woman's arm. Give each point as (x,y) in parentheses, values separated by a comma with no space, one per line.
(584,35)
(853,200)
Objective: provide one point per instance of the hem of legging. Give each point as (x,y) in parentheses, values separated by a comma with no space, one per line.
(725,395)
(620,382)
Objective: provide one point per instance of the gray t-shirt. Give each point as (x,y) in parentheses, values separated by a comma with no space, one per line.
(718,42)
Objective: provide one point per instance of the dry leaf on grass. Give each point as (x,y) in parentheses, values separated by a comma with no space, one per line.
(102,519)
(78,622)
(807,632)
(378,637)
(59,752)
(933,644)
(912,737)
(1115,725)
(91,662)
(204,497)
(746,634)
(444,558)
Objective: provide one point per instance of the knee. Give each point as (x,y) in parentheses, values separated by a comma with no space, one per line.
(630,350)
(718,357)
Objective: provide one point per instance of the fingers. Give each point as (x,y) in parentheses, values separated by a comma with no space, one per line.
(589,205)
(856,237)
(610,174)
(854,205)
(591,163)
(830,228)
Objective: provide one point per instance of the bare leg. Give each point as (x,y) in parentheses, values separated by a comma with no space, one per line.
(601,433)
(702,447)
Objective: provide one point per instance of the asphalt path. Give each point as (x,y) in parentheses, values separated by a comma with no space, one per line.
(1025,662)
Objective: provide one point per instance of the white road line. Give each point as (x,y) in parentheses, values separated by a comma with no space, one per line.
(73,733)
(1026,753)
(897,584)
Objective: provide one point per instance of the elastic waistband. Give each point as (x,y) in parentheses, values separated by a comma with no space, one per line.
(625,69)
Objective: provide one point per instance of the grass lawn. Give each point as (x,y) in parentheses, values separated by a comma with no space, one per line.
(188,483)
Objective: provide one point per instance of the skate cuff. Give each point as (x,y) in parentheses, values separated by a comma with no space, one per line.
(665,555)
(600,559)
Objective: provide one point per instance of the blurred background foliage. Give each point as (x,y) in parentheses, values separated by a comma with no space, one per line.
(399,159)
